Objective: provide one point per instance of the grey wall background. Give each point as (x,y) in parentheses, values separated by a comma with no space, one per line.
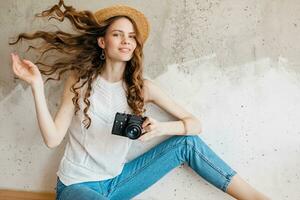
(234,64)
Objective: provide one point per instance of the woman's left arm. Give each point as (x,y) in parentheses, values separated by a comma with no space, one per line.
(187,124)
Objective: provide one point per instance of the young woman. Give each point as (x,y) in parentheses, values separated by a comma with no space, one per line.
(104,60)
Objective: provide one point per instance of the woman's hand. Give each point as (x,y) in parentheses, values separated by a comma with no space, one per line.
(26,70)
(151,128)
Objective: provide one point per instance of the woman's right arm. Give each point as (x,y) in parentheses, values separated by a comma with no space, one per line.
(53,131)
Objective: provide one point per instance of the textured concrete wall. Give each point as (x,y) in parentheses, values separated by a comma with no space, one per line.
(234,64)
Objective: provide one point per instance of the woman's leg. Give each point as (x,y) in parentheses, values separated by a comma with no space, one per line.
(80,191)
(148,168)
(241,190)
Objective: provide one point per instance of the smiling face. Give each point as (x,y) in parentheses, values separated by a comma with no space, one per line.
(119,41)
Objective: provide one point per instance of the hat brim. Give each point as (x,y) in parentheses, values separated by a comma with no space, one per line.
(122,10)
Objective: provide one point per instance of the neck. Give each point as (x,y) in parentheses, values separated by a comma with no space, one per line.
(113,70)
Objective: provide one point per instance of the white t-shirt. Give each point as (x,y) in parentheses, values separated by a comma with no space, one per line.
(95,154)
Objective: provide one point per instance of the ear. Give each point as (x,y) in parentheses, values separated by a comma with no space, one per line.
(101,42)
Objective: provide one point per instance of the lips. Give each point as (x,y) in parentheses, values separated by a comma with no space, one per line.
(124,50)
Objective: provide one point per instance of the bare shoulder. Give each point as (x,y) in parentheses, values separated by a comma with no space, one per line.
(153,91)
(155,94)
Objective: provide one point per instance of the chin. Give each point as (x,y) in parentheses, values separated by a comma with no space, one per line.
(122,58)
(127,58)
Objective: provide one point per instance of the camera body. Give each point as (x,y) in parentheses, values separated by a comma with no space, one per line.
(128,125)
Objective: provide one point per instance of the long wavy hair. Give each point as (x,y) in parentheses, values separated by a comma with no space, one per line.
(80,53)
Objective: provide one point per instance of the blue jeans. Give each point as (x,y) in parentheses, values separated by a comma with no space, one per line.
(143,171)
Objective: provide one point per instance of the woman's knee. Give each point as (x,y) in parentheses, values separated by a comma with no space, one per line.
(184,138)
(193,139)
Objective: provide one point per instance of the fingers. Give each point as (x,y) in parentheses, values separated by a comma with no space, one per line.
(31,66)
(19,63)
(147,121)
(149,128)
(145,125)
(29,63)
(18,66)
(149,125)
(22,69)
(14,67)
(16,59)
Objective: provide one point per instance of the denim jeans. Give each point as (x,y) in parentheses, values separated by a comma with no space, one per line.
(143,171)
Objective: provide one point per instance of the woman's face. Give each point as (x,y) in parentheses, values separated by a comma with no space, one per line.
(119,41)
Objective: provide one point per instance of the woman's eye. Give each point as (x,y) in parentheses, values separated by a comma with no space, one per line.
(115,34)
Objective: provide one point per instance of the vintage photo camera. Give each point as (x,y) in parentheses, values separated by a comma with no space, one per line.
(128,125)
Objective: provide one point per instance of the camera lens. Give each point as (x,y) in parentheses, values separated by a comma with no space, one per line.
(133,131)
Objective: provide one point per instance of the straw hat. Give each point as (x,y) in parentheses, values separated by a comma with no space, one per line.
(135,15)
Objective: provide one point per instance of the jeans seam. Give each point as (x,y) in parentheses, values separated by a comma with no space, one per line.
(207,161)
(225,175)
(103,190)
(146,165)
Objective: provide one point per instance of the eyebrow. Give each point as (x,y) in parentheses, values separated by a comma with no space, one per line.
(120,31)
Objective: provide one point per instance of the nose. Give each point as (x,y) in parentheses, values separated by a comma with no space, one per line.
(125,40)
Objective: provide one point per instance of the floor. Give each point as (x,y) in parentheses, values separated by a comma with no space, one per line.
(22,195)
